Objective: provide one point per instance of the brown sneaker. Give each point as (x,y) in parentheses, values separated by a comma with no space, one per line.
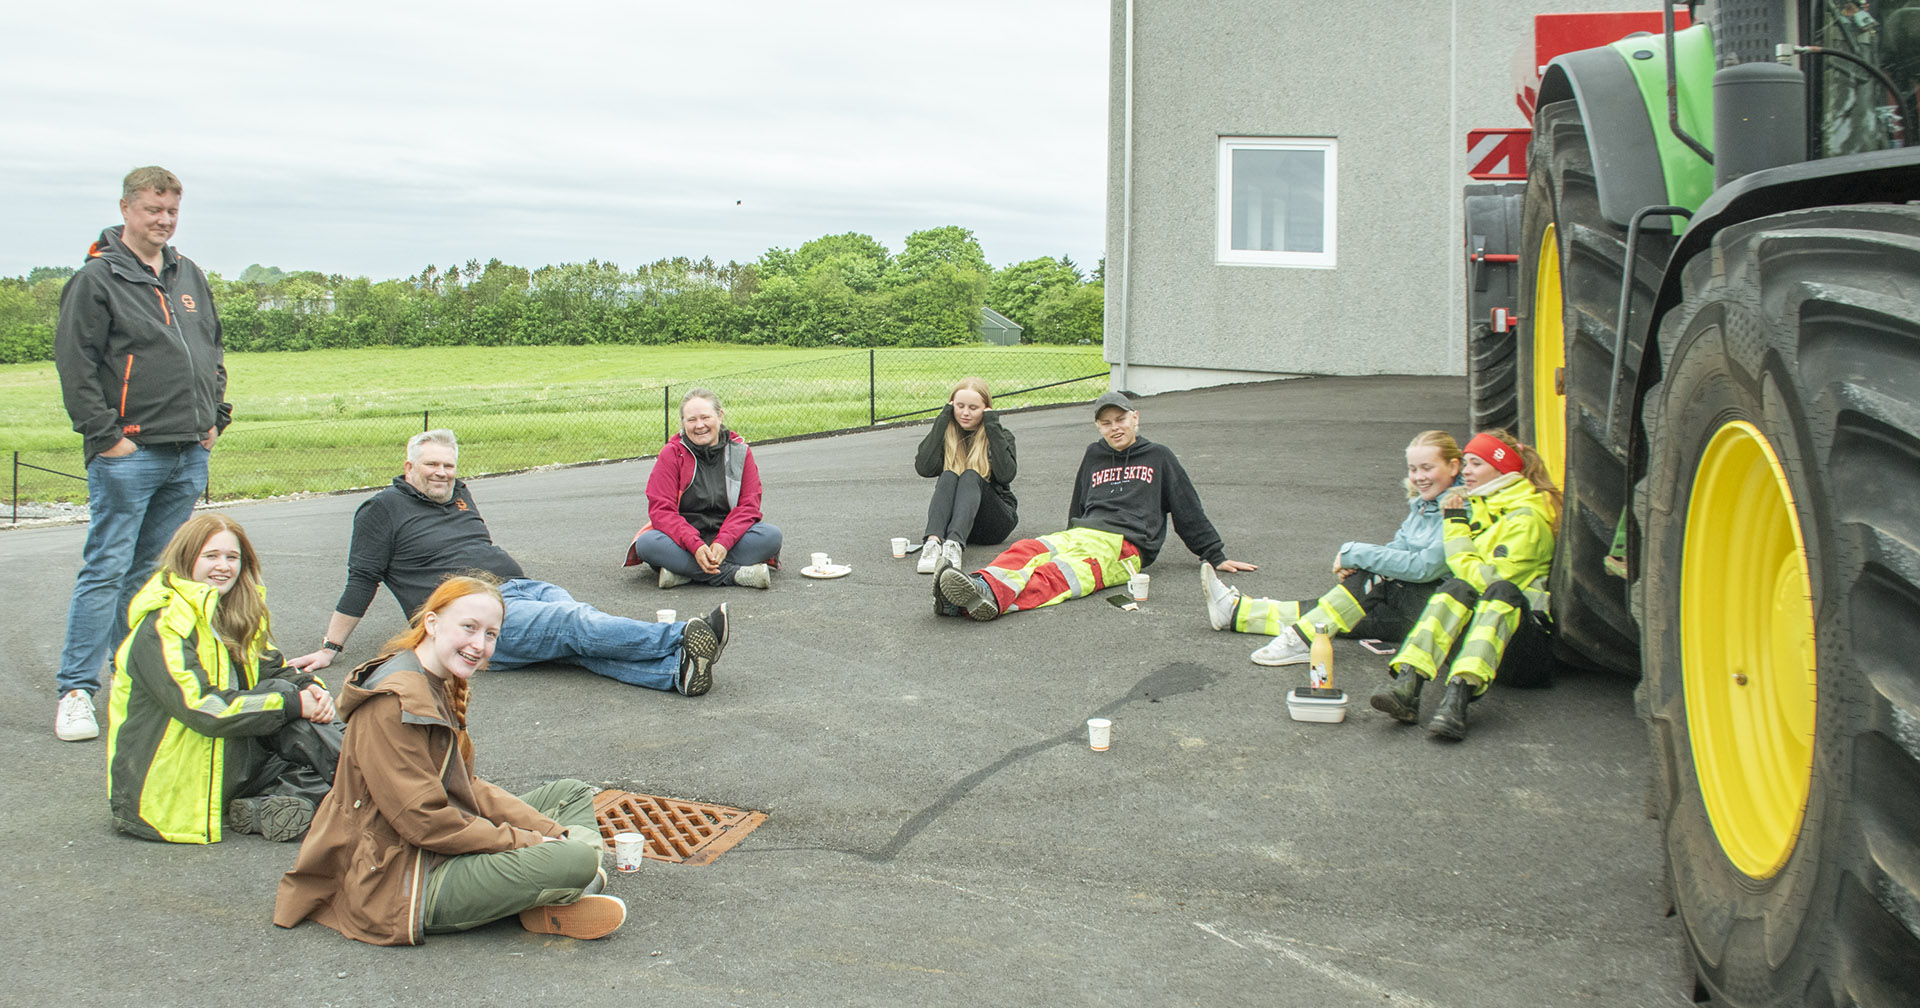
(594,916)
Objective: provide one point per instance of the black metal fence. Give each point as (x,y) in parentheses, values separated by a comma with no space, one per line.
(843,392)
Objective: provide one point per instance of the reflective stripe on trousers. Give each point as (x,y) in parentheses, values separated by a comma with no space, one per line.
(1489,620)
(1337,608)
(1054,568)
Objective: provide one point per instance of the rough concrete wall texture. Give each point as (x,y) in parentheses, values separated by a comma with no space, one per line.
(1396,84)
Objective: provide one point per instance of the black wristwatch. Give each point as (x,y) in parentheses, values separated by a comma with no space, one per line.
(331,646)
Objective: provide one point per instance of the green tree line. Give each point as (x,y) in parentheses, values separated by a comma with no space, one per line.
(846,289)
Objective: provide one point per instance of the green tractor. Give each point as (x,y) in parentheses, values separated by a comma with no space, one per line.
(1715,342)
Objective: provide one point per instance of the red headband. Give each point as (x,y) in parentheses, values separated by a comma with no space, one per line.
(1494,452)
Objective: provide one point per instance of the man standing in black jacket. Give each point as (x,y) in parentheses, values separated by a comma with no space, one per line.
(143,375)
(1125,491)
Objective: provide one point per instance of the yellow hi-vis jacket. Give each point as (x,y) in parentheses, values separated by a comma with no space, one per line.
(184,721)
(1506,536)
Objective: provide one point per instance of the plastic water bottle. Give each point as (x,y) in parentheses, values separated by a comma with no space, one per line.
(1320,657)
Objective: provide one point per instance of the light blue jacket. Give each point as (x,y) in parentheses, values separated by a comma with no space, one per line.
(1417,553)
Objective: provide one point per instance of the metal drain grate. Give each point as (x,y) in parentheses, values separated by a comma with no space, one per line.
(686,832)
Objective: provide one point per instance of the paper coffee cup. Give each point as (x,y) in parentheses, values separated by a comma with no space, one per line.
(899,546)
(1099,733)
(1137,587)
(628,849)
(665,616)
(821,560)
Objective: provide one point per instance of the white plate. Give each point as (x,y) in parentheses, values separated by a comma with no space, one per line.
(826,573)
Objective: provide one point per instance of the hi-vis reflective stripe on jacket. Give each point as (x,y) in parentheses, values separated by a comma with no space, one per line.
(1515,543)
(176,699)
(1495,573)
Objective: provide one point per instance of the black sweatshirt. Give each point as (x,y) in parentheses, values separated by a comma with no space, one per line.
(930,460)
(409,543)
(1132,492)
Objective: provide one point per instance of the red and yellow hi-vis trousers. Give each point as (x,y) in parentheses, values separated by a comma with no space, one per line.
(1054,568)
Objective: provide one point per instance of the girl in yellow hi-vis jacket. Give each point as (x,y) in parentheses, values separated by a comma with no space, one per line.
(1499,542)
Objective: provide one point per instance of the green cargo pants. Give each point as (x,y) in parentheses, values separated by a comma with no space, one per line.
(471,889)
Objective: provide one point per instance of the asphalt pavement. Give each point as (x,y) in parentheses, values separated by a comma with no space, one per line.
(938,831)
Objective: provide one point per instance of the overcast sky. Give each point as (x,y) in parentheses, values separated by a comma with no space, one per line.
(372,139)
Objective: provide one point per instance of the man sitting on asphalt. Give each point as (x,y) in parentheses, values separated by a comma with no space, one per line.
(425,526)
(1125,491)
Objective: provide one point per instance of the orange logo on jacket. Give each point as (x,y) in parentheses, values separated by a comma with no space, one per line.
(462,505)
(186,302)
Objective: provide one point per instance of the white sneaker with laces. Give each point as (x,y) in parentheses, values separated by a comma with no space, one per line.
(1221,600)
(929,556)
(1286,649)
(669,579)
(73,720)
(950,552)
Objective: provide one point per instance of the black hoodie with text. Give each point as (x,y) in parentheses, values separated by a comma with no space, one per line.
(1132,492)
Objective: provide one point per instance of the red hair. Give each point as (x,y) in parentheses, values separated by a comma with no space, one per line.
(453,589)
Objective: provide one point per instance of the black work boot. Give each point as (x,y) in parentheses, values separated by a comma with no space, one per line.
(1450,720)
(1401,700)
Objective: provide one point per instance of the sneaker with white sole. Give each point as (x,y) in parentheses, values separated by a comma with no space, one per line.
(754,576)
(73,719)
(700,646)
(950,554)
(589,917)
(1286,649)
(929,556)
(1222,601)
(669,579)
(965,592)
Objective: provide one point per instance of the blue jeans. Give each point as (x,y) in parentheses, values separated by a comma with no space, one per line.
(135,503)
(760,544)
(544,623)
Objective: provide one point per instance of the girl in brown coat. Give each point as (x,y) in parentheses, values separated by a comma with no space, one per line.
(409,842)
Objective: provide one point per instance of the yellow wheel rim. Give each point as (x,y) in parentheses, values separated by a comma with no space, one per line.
(1549,357)
(1747,649)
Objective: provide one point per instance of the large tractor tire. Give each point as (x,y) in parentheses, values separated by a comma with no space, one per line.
(1493,227)
(1571,268)
(1780,599)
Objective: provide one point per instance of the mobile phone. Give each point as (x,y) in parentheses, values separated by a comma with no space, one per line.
(1378,646)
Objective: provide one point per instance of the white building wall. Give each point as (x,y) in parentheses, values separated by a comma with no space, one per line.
(1397,83)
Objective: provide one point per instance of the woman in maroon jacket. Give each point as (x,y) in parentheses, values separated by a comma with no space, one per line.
(703,506)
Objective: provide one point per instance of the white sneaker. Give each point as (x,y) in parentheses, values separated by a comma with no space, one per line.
(669,579)
(1221,600)
(1286,649)
(950,553)
(754,576)
(929,556)
(73,719)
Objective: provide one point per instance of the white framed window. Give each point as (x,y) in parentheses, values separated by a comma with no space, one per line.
(1277,201)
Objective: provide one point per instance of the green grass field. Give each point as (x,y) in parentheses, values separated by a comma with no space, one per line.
(337,419)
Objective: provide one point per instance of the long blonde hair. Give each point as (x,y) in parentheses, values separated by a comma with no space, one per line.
(968,450)
(1533,469)
(239,616)
(1449,452)
(451,590)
